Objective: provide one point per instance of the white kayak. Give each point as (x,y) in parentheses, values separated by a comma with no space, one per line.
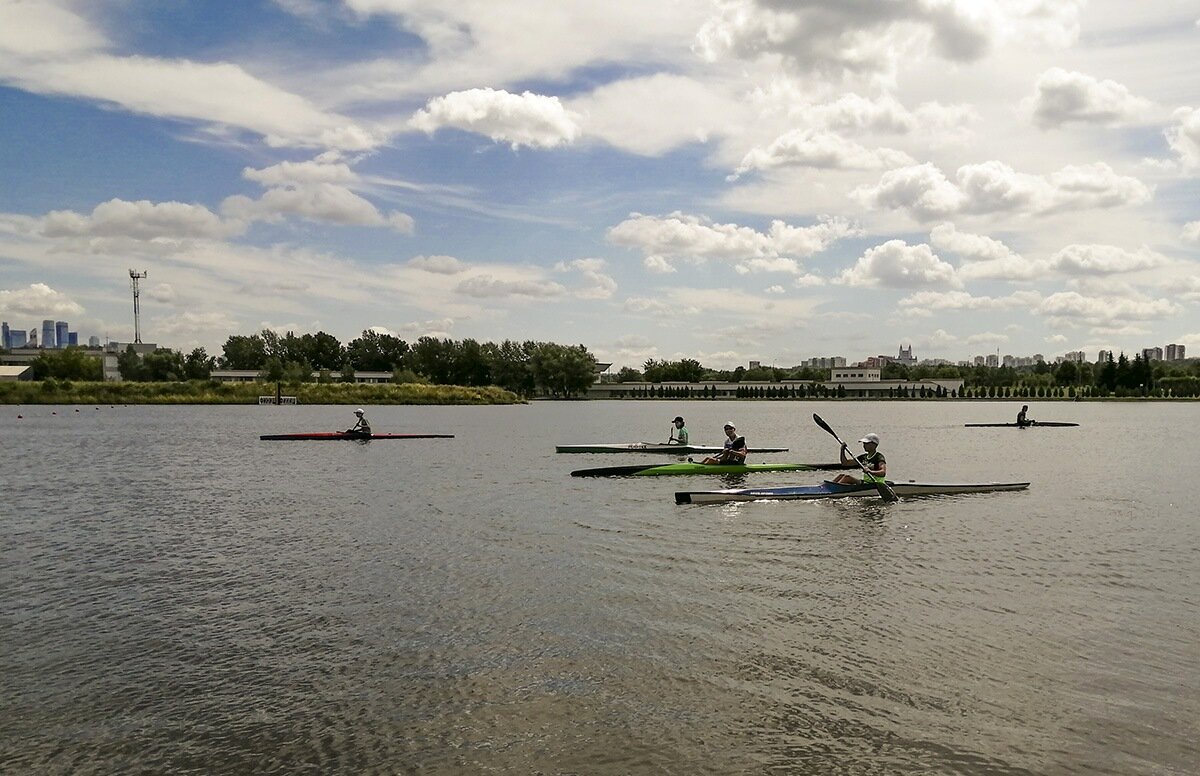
(828,490)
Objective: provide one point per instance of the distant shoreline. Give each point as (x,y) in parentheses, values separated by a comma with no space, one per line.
(210,392)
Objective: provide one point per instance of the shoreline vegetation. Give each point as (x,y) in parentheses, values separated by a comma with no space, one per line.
(53,391)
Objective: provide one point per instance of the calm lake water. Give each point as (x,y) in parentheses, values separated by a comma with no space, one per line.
(178,597)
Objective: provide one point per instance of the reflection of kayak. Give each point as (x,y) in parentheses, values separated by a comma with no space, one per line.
(655,447)
(344,435)
(1033,424)
(667,469)
(830,490)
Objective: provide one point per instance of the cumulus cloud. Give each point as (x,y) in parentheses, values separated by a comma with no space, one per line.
(38,299)
(1064,96)
(439,265)
(695,238)
(869,38)
(1191,231)
(685,111)
(597,284)
(926,303)
(486,286)
(1104,260)
(823,150)
(1184,136)
(141,220)
(984,258)
(524,119)
(896,264)
(315,202)
(994,187)
(301,173)
(195,325)
(1103,313)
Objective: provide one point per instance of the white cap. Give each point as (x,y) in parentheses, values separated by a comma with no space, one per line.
(872,438)
(358,411)
(729,424)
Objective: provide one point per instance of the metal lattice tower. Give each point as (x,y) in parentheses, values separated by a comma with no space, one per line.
(134,277)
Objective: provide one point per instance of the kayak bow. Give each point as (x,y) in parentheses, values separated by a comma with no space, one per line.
(316,435)
(829,490)
(668,469)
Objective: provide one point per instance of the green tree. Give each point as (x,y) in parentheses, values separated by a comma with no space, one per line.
(198,365)
(129,365)
(376,352)
(72,363)
(240,352)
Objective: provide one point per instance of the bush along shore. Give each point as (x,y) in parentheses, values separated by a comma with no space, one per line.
(51,391)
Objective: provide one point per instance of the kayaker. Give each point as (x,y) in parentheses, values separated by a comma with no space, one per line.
(1023,421)
(361,427)
(735,448)
(872,459)
(680,435)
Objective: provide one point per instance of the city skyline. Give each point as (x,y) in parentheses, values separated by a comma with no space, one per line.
(732,181)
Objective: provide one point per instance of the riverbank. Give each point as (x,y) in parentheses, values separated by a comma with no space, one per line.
(211,392)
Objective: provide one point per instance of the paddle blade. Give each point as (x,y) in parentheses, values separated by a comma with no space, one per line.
(885,491)
(817,419)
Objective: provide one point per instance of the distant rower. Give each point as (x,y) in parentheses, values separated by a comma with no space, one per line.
(362,427)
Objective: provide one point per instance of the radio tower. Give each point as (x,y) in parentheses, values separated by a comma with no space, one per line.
(134,277)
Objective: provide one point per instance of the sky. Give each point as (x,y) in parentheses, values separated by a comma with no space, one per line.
(770,180)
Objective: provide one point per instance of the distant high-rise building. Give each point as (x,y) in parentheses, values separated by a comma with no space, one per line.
(1175,352)
(73,338)
(4,339)
(33,338)
(1104,355)
(1009,360)
(1076,356)
(979,361)
(60,334)
(93,341)
(1152,354)
(906,356)
(48,337)
(16,338)
(992,359)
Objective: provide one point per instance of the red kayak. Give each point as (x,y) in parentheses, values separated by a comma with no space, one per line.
(345,435)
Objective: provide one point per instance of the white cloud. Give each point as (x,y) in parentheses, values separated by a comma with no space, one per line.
(994,187)
(141,220)
(1104,313)
(841,38)
(486,286)
(984,258)
(926,303)
(1062,96)
(598,284)
(1191,231)
(316,202)
(47,49)
(896,264)
(1184,136)
(686,110)
(695,238)
(527,119)
(161,292)
(441,265)
(301,173)
(37,300)
(193,326)
(822,150)
(1104,260)
(774,290)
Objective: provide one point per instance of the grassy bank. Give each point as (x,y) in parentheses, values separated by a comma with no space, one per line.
(211,392)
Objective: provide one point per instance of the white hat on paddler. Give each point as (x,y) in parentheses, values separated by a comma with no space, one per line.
(871,438)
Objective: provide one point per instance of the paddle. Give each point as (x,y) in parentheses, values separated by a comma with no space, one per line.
(885,491)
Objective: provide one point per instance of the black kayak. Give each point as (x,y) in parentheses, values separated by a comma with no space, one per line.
(1030,424)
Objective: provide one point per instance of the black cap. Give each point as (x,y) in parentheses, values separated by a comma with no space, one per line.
(678,419)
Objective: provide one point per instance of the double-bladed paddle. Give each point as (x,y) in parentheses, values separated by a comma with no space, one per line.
(885,491)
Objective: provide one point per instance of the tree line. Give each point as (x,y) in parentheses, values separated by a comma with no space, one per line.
(1116,377)
(526,368)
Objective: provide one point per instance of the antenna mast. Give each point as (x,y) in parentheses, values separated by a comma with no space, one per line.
(134,276)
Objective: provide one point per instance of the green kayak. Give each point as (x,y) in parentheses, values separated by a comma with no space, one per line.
(671,469)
